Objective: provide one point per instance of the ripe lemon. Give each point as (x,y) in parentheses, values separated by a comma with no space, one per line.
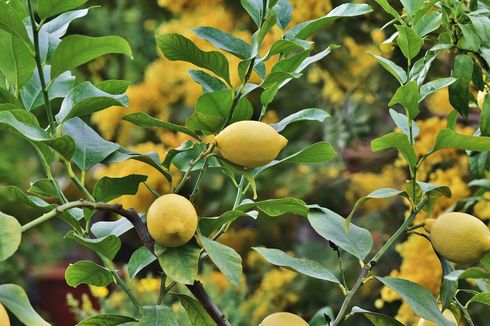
(447,313)
(250,143)
(4,317)
(171,220)
(481,98)
(459,237)
(283,319)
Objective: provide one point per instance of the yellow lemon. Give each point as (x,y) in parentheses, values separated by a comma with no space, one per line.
(481,98)
(447,313)
(283,319)
(459,237)
(4,317)
(250,143)
(171,220)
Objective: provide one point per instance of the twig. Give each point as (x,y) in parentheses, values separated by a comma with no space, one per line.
(200,294)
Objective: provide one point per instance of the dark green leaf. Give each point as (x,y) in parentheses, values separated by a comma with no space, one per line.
(87,272)
(224,41)
(255,9)
(398,141)
(198,316)
(283,10)
(107,246)
(458,91)
(179,263)
(107,189)
(106,320)
(140,259)
(209,83)
(428,23)
(276,207)
(448,287)
(376,318)
(392,68)
(485,116)
(142,119)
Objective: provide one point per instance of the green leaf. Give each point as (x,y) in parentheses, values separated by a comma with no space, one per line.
(458,91)
(483,297)
(409,41)
(142,119)
(448,138)
(15,299)
(428,23)
(140,259)
(285,46)
(113,86)
(276,207)
(224,41)
(391,67)
(49,8)
(470,40)
(14,194)
(57,27)
(283,10)
(418,298)
(401,122)
(75,50)
(91,148)
(209,83)
(43,188)
(212,110)
(10,236)
(408,96)
(208,225)
(11,22)
(398,141)
(107,246)
(198,316)
(448,287)
(321,316)
(225,258)
(389,9)
(412,6)
(176,47)
(243,111)
(303,115)
(481,24)
(306,29)
(107,189)
(255,9)
(376,318)
(25,125)
(470,273)
(158,315)
(435,85)
(303,266)
(16,61)
(116,228)
(330,225)
(485,116)
(6,97)
(179,263)
(87,272)
(106,320)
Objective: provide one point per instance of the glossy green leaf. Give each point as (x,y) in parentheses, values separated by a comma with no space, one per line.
(107,246)
(418,298)
(303,266)
(106,320)
(428,23)
(117,228)
(16,61)
(255,9)
(458,91)
(87,272)
(57,27)
(209,83)
(15,299)
(330,225)
(113,86)
(11,22)
(448,287)
(49,8)
(226,259)
(401,122)
(408,96)
(276,207)
(388,8)
(412,6)
(142,119)
(43,188)
(158,315)
(448,138)
(483,297)
(303,115)
(391,67)
(224,41)
(243,111)
(107,189)
(176,47)
(198,316)
(435,85)
(208,225)
(212,110)
(140,259)
(481,24)
(469,273)
(91,148)
(75,50)
(284,11)
(10,235)
(409,41)
(376,318)
(398,141)
(179,263)
(14,194)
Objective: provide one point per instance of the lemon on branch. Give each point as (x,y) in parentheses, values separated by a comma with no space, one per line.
(447,313)
(282,319)
(459,237)
(250,143)
(4,317)
(171,220)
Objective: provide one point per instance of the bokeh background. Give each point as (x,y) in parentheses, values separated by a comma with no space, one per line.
(348,84)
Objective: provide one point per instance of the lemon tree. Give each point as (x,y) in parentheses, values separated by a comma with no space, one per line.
(41,103)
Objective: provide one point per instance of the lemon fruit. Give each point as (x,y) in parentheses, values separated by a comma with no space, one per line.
(171,220)
(4,317)
(480,98)
(283,319)
(447,313)
(459,237)
(250,143)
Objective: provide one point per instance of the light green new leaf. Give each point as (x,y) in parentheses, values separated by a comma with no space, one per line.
(43,188)
(418,298)
(391,67)
(15,299)
(107,189)
(87,272)
(409,41)
(16,61)
(106,320)
(142,119)
(176,47)
(226,259)
(49,8)
(448,138)
(398,141)
(304,266)
(75,50)
(107,246)
(179,263)
(158,315)
(140,259)
(10,235)
(408,96)
(198,316)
